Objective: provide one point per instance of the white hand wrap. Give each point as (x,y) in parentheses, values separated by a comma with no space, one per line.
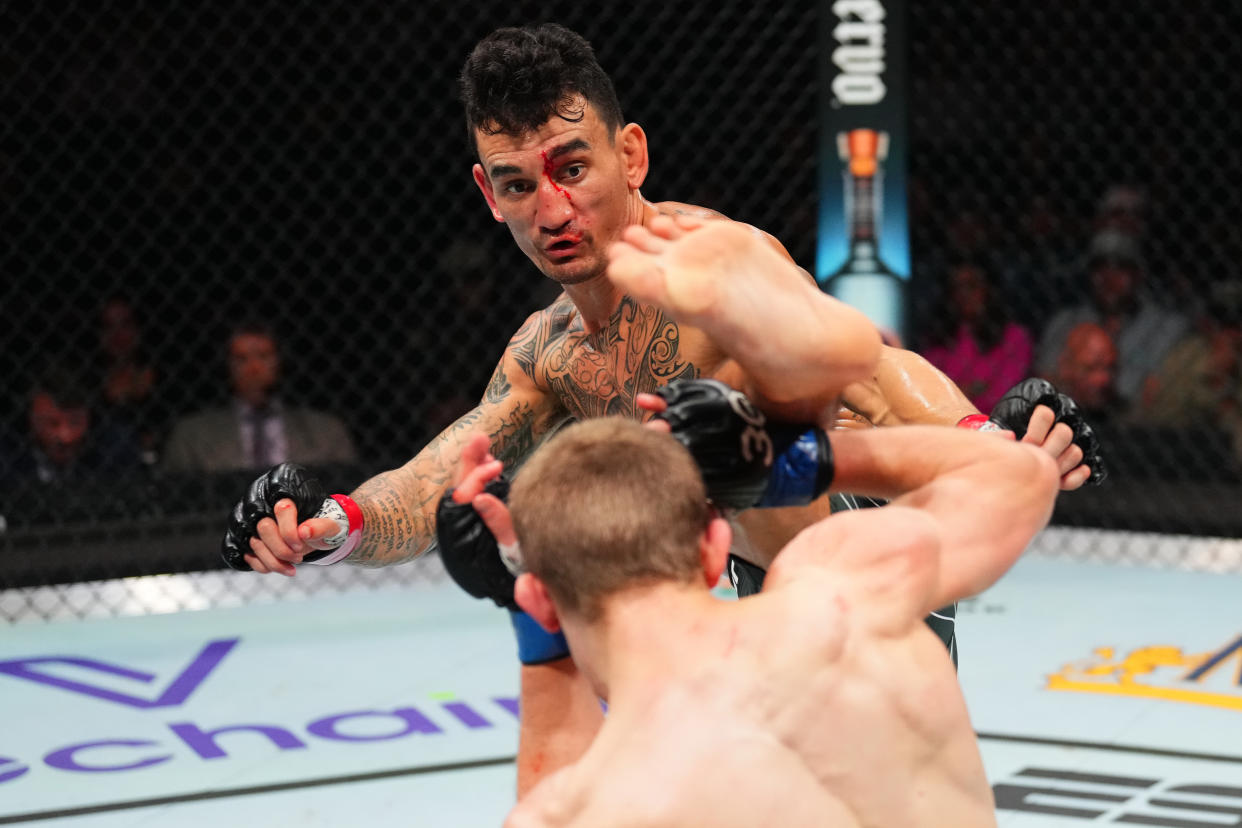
(511,556)
(346,514)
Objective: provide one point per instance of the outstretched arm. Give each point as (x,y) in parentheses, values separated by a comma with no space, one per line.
(906,389)
(982,497)
(964,503)
(398,507)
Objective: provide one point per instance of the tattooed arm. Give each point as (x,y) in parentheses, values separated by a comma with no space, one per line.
(399,506)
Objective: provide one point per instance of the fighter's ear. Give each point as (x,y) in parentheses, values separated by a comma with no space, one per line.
(633,144)
(532,596)
(714,546)
(485,187)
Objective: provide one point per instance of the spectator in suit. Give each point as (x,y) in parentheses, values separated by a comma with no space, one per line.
(67,440)
(258,427)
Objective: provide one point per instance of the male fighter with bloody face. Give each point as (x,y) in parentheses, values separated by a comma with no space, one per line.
(561,168)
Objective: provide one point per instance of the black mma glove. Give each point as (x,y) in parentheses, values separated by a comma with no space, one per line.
(1014,413)
(469,550)
(745,461)
(310,499)
(473,560)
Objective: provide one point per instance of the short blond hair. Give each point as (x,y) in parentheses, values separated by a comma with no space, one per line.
(605,505)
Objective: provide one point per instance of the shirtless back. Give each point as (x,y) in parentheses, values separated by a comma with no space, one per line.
(823,700)
(796,686)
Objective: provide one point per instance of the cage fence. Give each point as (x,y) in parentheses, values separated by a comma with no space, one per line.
(175,172)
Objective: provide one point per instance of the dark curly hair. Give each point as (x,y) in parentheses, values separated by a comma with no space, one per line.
(518,78)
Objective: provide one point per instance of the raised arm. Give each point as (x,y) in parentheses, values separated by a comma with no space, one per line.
(973,500)
(964,503)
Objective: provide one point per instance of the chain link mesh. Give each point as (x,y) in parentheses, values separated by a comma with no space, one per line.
(1053,145)
(169,169)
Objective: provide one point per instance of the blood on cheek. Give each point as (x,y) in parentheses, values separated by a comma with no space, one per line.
(548,170)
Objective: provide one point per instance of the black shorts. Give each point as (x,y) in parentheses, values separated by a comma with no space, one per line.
(748,578)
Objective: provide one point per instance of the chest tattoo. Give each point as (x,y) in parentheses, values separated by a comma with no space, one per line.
(599,374)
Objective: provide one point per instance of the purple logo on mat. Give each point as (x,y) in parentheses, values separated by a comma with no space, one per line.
(11,768)
(174,693)
(213,739)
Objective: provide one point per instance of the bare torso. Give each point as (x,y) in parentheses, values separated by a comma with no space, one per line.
(784,712)
(600,373)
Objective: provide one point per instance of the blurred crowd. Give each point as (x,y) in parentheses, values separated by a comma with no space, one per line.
(102,416)
(1143,357)
(1146,351)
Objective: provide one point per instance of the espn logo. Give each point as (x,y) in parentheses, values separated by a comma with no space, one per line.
(1119,799)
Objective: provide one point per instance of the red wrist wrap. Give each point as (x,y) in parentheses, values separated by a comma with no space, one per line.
(978,422)
(351,511)
(354,516)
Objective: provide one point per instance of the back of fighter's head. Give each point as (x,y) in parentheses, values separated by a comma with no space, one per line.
(608,505)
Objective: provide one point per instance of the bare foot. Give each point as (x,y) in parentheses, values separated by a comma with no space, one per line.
(681,266)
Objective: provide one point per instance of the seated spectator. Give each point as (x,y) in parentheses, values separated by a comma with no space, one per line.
(1086,371)
(1138,446)
(127,377)
(1199,386)
(1123,208)
(1144,331)
(978,346)
(66,440)
(1200,381)
(258,428)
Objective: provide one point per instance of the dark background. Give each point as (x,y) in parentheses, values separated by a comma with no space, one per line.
(308,160)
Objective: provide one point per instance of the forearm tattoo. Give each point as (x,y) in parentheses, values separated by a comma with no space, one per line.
(581,375)
(394,532)
(399,506)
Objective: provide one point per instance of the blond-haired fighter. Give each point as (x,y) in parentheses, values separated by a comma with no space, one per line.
(824,700)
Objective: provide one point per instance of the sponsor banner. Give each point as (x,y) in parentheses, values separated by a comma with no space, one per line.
(863,254)
(342,688)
